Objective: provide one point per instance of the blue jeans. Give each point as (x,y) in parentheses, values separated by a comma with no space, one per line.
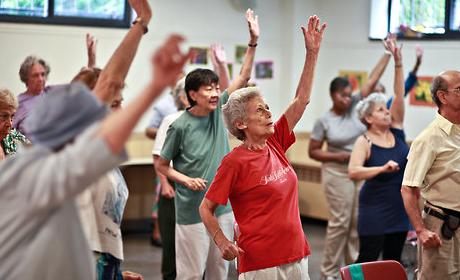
(107,267)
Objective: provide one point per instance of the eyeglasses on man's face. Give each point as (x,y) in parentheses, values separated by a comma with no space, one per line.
(454,90)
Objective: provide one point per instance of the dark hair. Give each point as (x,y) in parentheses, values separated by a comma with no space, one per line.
(338,84)
(198,78)
(439,83)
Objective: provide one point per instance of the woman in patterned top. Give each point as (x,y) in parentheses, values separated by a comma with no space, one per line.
(10,138)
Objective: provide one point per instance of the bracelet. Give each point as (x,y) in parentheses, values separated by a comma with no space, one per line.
(387,52)
(215,234)
(398,65)
(142,23)
(252,45)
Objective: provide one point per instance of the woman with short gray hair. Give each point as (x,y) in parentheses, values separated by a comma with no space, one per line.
(379,158)
(260,182)
(10,138)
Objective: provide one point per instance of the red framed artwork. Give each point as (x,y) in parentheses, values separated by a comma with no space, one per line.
(420,95)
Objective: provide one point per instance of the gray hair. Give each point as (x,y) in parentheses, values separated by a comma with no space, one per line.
(7,99)
(235,109)
(27,64)
(439,83)
(177,92)
(365,107)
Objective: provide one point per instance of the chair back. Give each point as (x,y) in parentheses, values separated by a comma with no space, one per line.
(378,270)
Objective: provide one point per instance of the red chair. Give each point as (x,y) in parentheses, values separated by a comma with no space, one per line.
(379,270)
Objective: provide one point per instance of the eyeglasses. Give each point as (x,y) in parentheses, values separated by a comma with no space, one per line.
(454,90)
(6,117)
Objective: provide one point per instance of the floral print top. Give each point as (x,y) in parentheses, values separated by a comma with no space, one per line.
(12,141)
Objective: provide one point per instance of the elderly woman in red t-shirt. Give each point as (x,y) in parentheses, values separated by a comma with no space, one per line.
(260,182)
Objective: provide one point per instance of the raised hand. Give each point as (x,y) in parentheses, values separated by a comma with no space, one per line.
(168,62)
(91,44)
(313,33)
(218,55)
(142,9)
(391,45)
(253,24)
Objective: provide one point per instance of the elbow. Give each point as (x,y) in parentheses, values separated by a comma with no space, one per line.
(353,175)
(204,211)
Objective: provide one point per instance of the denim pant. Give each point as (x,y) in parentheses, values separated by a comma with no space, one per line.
(107,267)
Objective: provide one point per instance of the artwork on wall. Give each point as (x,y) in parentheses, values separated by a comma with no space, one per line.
(420,95)
(240,52)
(356,78)
(264,70)
(201,55)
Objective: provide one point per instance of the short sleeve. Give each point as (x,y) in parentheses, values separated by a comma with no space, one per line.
(220,188)
(282,134)
(161,136)
(171,146)
(420,159)
(319,131)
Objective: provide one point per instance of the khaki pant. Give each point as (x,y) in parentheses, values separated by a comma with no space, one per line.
(443,262)
(292,271)
(196,251)
(342,241)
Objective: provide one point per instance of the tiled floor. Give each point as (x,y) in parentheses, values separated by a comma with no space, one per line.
(142,258)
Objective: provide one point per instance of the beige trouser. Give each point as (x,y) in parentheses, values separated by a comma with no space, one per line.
(197,253)
(443,262)
(342,236)
(292,271)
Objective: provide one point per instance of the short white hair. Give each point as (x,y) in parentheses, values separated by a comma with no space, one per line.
(364,107)
(235,109)
(177,92)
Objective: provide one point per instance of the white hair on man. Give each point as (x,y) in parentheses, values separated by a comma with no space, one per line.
(235,109)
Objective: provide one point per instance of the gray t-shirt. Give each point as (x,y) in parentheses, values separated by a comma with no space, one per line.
(40,232)
(196,146)
(339,132)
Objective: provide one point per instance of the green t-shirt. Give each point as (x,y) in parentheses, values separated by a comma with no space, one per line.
(196,146)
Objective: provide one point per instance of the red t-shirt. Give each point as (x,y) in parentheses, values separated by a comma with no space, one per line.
(262,188)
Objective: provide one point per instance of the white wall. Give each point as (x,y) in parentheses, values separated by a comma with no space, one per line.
(205,21)
(346,47)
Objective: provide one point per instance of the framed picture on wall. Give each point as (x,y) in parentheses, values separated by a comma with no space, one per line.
(264,70)
(356,78)
(420,95)
(201,55)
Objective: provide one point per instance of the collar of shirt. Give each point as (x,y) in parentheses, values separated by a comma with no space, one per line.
(445,124)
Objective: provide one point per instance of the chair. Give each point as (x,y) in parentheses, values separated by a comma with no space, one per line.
(378,270)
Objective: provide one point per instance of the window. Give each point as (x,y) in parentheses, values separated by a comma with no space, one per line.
(415,19)
(109,13)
